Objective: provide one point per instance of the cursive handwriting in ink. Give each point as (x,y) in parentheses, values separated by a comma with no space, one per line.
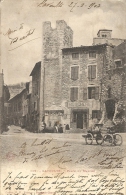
(103,183)
(10,31)
(15,39)
(45,3)
(46,141)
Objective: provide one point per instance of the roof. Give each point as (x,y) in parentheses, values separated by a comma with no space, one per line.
(89,47)
(36,67)
(18,94)
(103,30)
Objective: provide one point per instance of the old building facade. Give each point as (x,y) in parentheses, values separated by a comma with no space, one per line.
(105,36)
(35,97)
(54,40)
(1,101)
(82,73)
(72,88)
(113,96)
(18,109)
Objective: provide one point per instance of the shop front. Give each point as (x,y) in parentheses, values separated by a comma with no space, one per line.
(80,118)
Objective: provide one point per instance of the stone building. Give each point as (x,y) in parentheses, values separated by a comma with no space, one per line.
(4,97)
(82,74)
(17,109)
(35,97)
(54,40)
(113,96)
(1,101)
(105,36)
(73,85)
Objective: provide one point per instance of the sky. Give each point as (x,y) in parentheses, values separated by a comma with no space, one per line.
(21,29)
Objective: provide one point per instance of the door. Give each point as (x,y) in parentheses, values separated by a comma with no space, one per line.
(80,120)
(85,120)
(110,108)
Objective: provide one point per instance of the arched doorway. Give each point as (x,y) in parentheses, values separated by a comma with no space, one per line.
(110,108)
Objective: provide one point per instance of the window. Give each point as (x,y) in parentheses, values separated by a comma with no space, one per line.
(96,114)
(91,72)
(74,72)
(74,94)
(93,93)
(118,63)
(75,56)
(92,54)
(104,35)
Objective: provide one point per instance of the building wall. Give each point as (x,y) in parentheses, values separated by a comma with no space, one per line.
(113,41)
(82,82)
(16,110)
(34,100)
(1,102)
(53,41)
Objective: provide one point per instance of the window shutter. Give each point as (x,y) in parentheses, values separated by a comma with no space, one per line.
(72,94)
(93,72)
(93,93)
(96,93)
(75,94)
(85,94)
(89,72)
(74,73)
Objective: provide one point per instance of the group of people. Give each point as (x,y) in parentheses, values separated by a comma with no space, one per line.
(56,129)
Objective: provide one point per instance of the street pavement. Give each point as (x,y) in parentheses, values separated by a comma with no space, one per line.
(74,137)
(23,151)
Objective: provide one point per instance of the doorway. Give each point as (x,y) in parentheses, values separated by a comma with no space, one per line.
(81,118)
(110,108)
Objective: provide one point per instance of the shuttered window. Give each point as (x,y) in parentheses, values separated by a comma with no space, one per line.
(92,54)
(85,94)
(74,72)
(93,93)
(92,72)
(96,93)
(75,56)
(96,114)
(74,94)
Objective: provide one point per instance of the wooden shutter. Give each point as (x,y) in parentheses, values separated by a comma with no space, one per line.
(96,93)
(75,94)
(93,93)
(93,72)
(72,94)
(74,73)
(85,94)
(89,72)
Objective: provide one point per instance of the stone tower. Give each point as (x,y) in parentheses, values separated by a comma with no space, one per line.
(53,41)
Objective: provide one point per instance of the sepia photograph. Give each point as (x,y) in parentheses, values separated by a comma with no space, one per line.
(63,97)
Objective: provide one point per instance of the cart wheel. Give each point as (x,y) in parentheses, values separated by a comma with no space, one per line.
(89,139)
(108,139)
(117,139)
(99,139)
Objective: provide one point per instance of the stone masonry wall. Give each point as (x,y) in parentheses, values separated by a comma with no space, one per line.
(83,80)
(53,41)
(1,102)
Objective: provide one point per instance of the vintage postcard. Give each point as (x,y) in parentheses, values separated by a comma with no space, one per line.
(63,97)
